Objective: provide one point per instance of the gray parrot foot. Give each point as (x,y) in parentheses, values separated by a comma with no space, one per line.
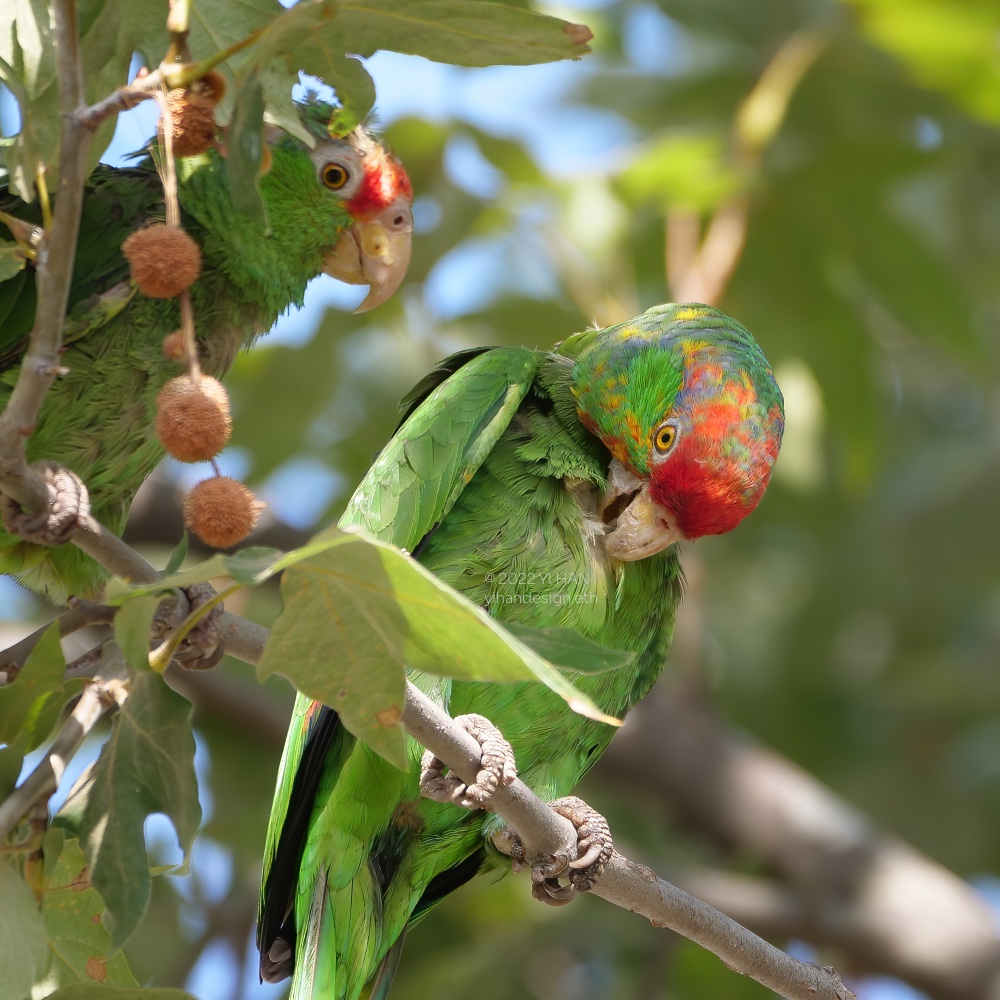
(593,852)
(202,647)
(496,767)
(69,508)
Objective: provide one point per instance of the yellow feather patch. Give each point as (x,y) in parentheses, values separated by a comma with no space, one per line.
(682,315)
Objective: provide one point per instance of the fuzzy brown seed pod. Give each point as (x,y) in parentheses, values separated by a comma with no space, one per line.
(211,87)
(192,112)
(173,346)
(192,418)
(163,259)
(221,511)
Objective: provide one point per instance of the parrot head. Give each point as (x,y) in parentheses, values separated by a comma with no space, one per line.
(374,188)
(686,403)
(367,187)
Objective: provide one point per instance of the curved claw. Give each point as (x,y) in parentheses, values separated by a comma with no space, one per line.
(552,893)
(589,858)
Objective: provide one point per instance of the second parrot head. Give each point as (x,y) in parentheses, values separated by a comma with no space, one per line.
(686,403)
(358,189)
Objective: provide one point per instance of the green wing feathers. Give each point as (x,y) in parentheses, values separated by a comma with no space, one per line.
(409,489)
(439,447)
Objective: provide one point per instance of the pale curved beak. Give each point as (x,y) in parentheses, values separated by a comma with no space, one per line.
(637,527)
(374,252)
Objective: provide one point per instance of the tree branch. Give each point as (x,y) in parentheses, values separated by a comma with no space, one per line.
(107,693)
(624,883)
(54,265)
(886,905)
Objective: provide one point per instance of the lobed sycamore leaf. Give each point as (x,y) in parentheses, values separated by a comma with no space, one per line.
(358,611)
(146,766)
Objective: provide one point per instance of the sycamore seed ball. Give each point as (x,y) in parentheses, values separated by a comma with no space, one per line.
(221,511)
(163,259)
(192,418)
(173,346)
(192,112)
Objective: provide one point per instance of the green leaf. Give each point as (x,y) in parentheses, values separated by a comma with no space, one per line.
(245,143)
(79,941)
(146,766)
(87,991)
(30,706)
(463,32)
(132,627)
(23,954)
(305,37)
(11,260)
(315,37)
(356,611)
(690,170)
(567,649)
(109,34)
(945,45)
(177,556)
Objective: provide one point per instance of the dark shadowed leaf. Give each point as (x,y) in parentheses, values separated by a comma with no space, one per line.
(567,649)
(245,145)
(30,706)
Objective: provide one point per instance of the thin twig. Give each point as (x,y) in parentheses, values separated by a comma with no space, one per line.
(54,264)
(109,551)
(171,75)
(80,616)
(106,693)
(700,271)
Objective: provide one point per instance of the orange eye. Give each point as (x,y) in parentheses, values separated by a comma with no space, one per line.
(334,176)
(664,438)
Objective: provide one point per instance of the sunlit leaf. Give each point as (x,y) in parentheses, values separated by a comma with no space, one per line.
(72,910)
(357,611)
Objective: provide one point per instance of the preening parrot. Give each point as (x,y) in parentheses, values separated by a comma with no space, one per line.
(342,207)
(550,489)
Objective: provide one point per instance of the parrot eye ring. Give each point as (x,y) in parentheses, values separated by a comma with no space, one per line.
(664,437)
(334,176)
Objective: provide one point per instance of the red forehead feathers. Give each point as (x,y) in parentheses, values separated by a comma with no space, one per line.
(384,181)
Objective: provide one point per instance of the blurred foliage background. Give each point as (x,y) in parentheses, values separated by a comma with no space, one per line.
(853,623)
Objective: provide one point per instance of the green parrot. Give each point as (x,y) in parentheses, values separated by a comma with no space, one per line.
(341,208)
(548,488)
